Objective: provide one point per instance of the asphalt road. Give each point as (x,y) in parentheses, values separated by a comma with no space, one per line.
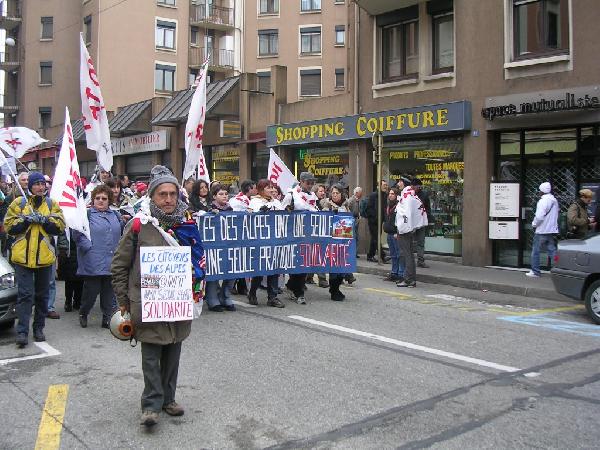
(430,367)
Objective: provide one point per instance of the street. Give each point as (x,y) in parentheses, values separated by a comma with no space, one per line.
(431,367)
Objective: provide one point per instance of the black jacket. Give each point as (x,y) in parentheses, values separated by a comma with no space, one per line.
(372,206)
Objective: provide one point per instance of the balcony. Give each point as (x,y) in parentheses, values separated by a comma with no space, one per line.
(9,61)
(10,16)
(212,16)
(220,60)
(375,7)
(8,105)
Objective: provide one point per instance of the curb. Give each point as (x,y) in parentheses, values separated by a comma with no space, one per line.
(547,294)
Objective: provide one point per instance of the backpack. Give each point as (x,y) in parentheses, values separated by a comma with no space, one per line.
(48,202)
(362,207)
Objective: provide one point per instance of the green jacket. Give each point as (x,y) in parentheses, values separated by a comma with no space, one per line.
(126,281)
(577,219)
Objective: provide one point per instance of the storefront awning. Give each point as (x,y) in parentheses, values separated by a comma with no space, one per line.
(121,123)
(176,110)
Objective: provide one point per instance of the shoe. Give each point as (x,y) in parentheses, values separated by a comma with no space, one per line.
(423,265)
(21,340)
(338,297)
(393,278)
(310,281)
(149,418)
(229,307)
(252,300)
(53,315)
(68,306)
(371,259)
(279,291)
(351,279)
(386,259)
(404,284)
(301,300)
(38,336)
(532,274)
(174,409)
(323,284)
(216,308)
(105,324)
(83,321)
(276,303)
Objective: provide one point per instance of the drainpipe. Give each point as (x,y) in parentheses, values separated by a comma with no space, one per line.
(356,53)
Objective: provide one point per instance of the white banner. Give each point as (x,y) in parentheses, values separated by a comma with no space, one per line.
(166,283)
(15,141)
(194,131)
(279,174)
(67,189)
(95,121)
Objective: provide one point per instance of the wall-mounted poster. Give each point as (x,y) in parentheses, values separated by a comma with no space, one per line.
(504,199)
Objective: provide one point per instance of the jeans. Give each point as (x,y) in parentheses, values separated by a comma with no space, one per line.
(33,290)
(405,242)
(397,261)
(538,241)
(52,290)
(272,285)
(92,286)
(222,297)
(160,365)
(420,244)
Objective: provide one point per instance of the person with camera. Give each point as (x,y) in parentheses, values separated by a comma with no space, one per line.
(578,221)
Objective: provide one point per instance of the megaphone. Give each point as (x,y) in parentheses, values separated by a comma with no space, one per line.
(121,326)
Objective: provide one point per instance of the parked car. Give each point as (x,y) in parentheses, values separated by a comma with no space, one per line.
(576,272)
(8,294)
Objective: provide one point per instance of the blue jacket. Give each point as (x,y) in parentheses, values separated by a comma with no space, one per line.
(95,257)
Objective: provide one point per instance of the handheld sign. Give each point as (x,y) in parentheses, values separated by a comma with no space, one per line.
(166,283)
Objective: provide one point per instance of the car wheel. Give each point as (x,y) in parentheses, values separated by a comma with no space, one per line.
(592,301)
(7,325)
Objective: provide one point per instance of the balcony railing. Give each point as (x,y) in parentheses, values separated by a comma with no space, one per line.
(9,60)
(8,104)
(10,15)
(219,16)
(219,59)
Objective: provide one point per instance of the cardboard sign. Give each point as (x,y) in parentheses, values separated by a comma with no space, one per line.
(166,283)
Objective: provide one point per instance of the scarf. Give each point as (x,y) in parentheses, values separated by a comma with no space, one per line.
(168,220)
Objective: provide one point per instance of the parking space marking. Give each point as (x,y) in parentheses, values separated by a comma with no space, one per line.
(546,321)
(392,293)
(44,346)
(420,348)
(53,416)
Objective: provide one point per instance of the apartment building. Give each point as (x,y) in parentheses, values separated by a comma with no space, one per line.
(309,37)
(142,49)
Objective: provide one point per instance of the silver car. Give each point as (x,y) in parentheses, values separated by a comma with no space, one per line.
(576,273)
(8,295)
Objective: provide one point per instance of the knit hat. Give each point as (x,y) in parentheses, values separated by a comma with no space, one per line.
(545,188)
(35,177)
(141,187)
(160,175)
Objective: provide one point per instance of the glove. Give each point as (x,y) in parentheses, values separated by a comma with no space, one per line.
(35,217)
(264,208)
(43,220)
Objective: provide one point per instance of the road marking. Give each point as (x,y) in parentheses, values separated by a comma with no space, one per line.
(44,346)
(243,304)
(546,321)
(53,415)
(392,293)
(433,351)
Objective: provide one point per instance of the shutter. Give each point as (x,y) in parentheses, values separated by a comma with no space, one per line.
(310,82)
(165,24)
(139,164)
(310,30)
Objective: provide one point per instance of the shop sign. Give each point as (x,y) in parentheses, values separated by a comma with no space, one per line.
(230,129)
(324,165)
(141,143)
(583,98)
(454,116)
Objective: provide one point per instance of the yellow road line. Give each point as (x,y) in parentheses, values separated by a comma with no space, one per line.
(535,312)
(392,293)
(52,418)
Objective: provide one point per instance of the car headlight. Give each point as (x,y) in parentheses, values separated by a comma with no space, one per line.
(7,281)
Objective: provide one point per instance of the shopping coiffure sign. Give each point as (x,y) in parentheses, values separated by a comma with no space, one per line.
(455,116)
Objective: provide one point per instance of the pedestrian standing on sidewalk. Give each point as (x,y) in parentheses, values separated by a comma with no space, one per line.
(354,208)
(578,220)
(422,232)
(372,220)
(389,226)
(545,224)
(33,222)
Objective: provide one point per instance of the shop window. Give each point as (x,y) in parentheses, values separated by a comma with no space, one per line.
(339,78)
(310,40)
(87,29)
(225,164)
(268,6)
(399,33)
(165,34)
(45,116)
(47,32)
(329,165)
(340,35)
(310,5)
(164,78)
(260,162)
(263,80)
(540,27)
(46,72)
(310,83)
(268,42)
(442,35)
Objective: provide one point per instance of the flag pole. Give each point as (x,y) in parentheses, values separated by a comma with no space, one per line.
(12,173)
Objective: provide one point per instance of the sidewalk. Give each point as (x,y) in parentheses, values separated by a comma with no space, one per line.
(512,282)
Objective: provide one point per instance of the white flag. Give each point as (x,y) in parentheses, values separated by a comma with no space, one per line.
(15,141)
(194,131)
(279,174)
(95,122)
(67,189)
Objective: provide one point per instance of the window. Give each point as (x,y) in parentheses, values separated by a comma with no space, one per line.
(46,72)
(47,28)
(263,80)
(442,35)
(192,76)
(165,34)
(400,43)
(540,27)
(194,36)
(310,83)
(340,34)
(339,78)
(164,77)
(45,113)
(310,5)
(87,29)
(268,42)
(310,40)
(166,2)
(268,6)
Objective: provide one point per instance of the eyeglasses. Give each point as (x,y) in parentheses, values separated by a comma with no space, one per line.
(101,198)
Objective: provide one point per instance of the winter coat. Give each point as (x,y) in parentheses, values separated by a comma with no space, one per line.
(372,206)
(353,205)
(126,281)
(389,224)
(578,220)
(546,215)
(258,203)
(33,247)
(94,257)
(196,205)
(240,202)
(410,213)
(298,200)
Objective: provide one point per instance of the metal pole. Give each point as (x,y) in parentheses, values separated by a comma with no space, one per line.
(378,144)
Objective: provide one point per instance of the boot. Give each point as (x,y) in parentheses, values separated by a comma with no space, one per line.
(334,289)
(68,305)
